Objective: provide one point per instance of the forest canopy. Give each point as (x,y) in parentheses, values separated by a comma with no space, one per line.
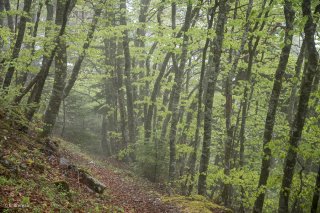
(212,97)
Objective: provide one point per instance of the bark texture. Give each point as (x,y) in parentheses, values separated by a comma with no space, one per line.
(273,103)
(18,44)
(217,51)
(302,109)
(316,194)
(59,91)
(127,73)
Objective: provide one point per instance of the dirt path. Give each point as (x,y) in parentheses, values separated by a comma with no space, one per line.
(130,193)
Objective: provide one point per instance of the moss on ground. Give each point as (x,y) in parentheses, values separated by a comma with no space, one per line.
(195,204)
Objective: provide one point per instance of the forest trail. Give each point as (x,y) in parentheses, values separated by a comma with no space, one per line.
(47,175)
(131,193)
(218,100)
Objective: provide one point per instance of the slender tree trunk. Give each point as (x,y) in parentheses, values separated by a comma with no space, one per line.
(227,147)
(155,91)
(217,51)
(147,119)
(77,66)
(60,74)
(252,49)
(176,90)
(105,145)
(316,194)
(121,101)
(18,44)
(127,72)
(23,78)
(183,138)
(156,86)
(302,110)
(293,94)
(64,118)
(228,107)
(45,59)
(195,142)
(1,25)
(273,103)
(110,92)
(59,91)
(7,6)
(140,43)
(36,92)
(1,16)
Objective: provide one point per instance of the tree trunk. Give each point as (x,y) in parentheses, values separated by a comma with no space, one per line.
(1,25)
(154,93)
(1,16)
(140,43)
(252,48)
(77,66)
(105,145)
(156,87)
(60,74)
(18,44)
(176,90)
(127,72)
(195,142)
(217,51)
(9,17)
(41,77)
(23,78)
(316,194)
(183,138)
(59,91)
(227,146)
(293,94)
(122,110)
(273,103)
(302,110)
(228,106)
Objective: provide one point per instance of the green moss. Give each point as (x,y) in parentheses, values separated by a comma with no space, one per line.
(195,204)
(4,181)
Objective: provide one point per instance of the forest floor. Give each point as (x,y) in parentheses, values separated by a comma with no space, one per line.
(35,177)
(125,190)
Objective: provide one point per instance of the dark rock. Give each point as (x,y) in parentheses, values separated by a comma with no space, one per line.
(53,145)
(63,162)
(50,147)
(72,168)
(86,179)
(91,182)
(9,166)
(23,166)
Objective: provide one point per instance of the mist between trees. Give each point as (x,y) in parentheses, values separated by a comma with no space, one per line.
(212,97)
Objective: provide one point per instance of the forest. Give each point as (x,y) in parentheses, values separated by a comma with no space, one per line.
(210,98)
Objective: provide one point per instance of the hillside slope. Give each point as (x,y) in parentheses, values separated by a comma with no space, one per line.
(36,176)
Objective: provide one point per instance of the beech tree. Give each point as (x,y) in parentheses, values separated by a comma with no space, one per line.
(217,98)
(273,101)
(213,72)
